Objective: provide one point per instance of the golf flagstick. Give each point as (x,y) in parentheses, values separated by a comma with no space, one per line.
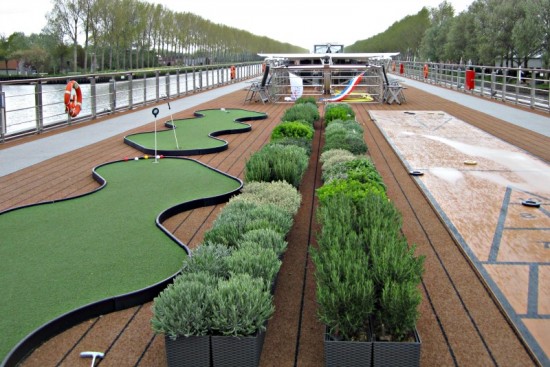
(155,113)
(173,126)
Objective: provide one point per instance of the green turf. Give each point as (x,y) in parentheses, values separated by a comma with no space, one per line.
(194,133)
(57,257)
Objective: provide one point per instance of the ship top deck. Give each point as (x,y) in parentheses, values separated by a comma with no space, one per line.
(463,320)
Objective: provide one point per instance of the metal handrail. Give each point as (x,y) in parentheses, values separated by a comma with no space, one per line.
(528,87)
(322,80)
(30,106)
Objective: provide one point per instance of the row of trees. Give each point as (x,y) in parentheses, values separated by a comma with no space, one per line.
(91,35)
(126,34)
(507,30)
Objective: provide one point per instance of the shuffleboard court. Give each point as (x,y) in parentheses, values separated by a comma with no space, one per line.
(495,199)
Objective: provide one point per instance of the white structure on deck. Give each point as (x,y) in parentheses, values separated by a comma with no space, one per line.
(327,74)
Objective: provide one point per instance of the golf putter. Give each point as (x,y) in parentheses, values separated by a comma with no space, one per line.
(94,355)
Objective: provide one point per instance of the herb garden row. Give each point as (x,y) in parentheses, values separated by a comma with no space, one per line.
(216,311)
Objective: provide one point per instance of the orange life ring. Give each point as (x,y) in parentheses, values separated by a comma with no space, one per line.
(233,71)
(426,70)
(73,101)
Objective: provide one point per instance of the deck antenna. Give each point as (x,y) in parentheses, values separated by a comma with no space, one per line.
(155,113)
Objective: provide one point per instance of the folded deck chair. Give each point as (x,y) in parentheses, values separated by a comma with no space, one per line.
(393,91)
(259,90)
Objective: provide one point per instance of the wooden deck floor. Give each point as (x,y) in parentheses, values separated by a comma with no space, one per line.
(461,323)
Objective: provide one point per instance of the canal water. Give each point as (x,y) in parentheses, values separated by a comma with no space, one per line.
(20,100)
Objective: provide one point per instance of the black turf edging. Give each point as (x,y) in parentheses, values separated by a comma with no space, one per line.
(198,151)
(117,303)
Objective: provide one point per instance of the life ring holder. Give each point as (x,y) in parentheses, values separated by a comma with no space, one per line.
(73,101)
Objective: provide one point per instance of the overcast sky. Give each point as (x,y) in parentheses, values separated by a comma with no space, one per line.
(301,23)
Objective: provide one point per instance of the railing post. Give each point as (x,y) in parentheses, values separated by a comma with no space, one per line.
(144,89)
(207,78)
(326,79)
(482,84)
(504,85)
(200,79)
(211,77)
(493,82)
(3,122)
(518,82)
(112,94)
(157,85)
(218,76)
(178,82)
(38,108)
(130,91)
(194,81)
(186,81)
(533,86)
(93,97)
(167,84)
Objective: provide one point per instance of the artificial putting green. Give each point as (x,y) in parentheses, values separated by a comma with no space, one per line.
(59,256)
(194,135)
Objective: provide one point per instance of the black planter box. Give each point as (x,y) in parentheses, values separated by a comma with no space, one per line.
(190,351)
(237,351)
(347,353)
(397,354)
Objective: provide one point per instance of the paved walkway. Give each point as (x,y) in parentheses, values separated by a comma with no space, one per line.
(36,151)
(25,155)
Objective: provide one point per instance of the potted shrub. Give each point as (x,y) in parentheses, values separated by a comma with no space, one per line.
(397,273)
(210,258)
(268,238)
(338,111)
(277,162)
(279,193)
(354,210)
(345,134)
(308,99)
(255,260)
(307,112)
(241,307)
(241,216)
(397,342)
(292,129)
(345,296)
(182,312)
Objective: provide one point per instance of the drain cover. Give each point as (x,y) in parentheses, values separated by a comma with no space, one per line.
(531,203)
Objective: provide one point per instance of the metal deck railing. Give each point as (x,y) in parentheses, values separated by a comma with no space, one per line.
(33,105)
